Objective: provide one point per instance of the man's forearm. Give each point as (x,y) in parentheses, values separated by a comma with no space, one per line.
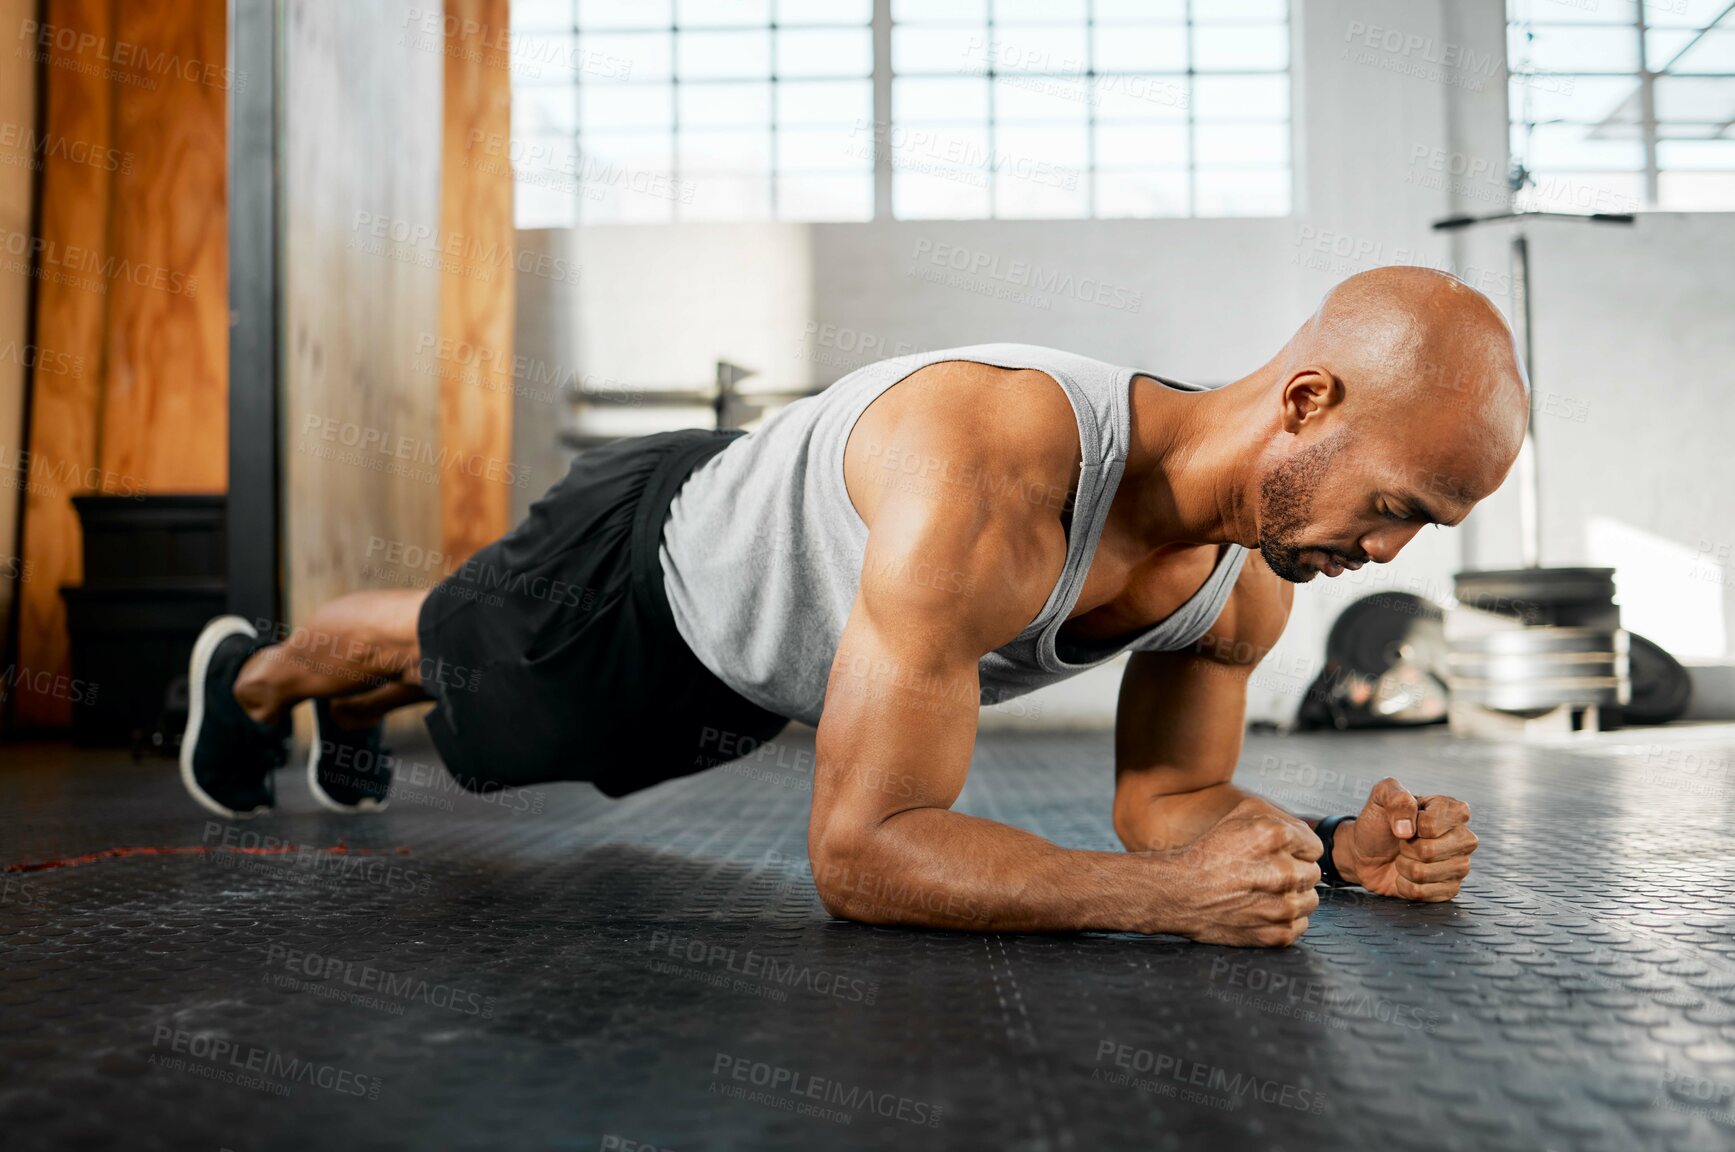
(1170,821)
(934,868)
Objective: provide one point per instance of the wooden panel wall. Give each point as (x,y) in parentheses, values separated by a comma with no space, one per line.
(165,407)
(70,315)
(476,303)
(361,165)
(131,274)
(18,159)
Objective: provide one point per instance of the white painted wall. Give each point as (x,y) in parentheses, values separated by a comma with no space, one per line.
(1400,114)
(1634,368)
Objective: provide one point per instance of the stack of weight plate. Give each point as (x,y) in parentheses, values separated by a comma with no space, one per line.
(1535,651)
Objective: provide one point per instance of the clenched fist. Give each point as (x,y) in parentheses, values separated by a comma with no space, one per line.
(1249,880)
(1418,849)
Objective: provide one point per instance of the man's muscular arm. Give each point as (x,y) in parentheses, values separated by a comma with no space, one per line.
(953,570)
(1178,738)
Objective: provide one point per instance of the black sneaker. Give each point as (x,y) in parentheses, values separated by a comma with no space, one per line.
(347,770)
(226,757)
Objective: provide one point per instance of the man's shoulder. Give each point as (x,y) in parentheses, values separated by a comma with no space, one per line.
(1253,618)
(1006,437)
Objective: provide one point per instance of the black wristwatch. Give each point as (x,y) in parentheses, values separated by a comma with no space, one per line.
(1327,832)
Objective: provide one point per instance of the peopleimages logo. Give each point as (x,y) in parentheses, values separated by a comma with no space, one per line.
(789,1089)
(251,1065)
(1165,1074)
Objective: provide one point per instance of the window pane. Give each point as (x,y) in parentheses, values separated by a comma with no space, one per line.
(1582,138)
(1672,131)
(1234,145)
(1240,11)
(939,99)
(1696,191)
(1569,146)
(819,149)
(1241,97)
(1162,48)
(802,147)
(708,104)
(542,58)
(1714,52)
(950,151)
(1697,154)
(1027,147)
(1141,11)
(607,154)
(946,50)
(1573,48)
(812,197)
(618,56)
(825,52)
(1141,194)
(1240,48)
(940,11)
(1141,145)
(1049,50)
(1682,13)
(1143,97)
(1583,99)
(1054,98)
(613,107)
(535,15)
(825,101)
(718,55)
(792,12)
(1038,11)
(1701,98)
(624,13)
(722,13)
(539,111)
(1582,192)
(723,151)
(1580,12)
(1662,45)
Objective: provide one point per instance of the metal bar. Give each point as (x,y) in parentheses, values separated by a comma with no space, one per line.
(1529,491)
(1647,109)
(881,134)
(254,502)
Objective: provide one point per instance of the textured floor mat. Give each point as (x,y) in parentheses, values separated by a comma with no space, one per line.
(551,969)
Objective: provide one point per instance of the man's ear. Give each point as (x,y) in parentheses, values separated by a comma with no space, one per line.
(1308,391)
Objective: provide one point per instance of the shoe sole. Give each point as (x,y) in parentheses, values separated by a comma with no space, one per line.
(214,634)
(326,800)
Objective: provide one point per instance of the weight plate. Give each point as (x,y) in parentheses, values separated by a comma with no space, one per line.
(1377,631)
(1661,687)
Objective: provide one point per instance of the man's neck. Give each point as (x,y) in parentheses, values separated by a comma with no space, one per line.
(1192,467)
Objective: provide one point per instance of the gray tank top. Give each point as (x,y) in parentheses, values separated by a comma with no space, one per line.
(762,550)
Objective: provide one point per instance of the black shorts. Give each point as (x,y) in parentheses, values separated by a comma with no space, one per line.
(552,653)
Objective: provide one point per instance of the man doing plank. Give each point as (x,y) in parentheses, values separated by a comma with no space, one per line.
(929,534)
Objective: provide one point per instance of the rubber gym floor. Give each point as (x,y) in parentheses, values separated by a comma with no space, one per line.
(556,970)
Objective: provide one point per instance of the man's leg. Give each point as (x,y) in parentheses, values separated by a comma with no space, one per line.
(357,659)
(360,648)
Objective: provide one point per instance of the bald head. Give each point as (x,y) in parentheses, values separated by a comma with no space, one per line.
(1400,402)
(1402,336)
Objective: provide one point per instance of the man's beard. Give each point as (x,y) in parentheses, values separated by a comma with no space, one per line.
(1286,507)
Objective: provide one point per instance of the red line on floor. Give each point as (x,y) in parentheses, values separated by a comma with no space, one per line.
(339,849)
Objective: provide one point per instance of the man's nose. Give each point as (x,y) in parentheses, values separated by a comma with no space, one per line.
(1382,547)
